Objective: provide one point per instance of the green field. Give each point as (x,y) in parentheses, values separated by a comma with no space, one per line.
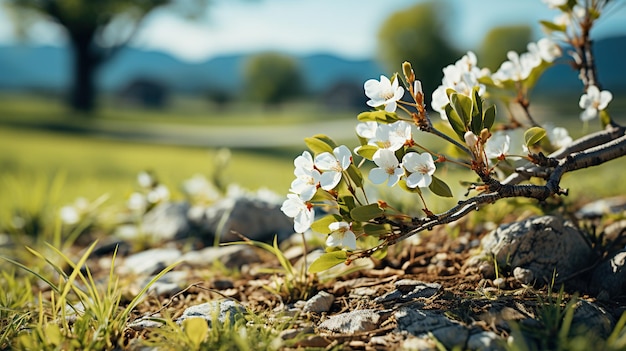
(39,141)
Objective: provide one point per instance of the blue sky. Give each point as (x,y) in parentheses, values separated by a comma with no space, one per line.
(343,27)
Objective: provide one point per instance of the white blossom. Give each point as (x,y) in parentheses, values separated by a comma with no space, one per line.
(366,130)
(388,169)
(594,101)
(421,167)
(383,92)
(559,137)
(341,236)
(498,145)
(462,77)
(332,166)
(302,213)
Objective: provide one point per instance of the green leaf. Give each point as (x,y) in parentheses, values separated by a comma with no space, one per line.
(605,118)
(328,260)
(367,151)
(450,91)
(381,116)
(53,334)
(463,106)
(402,184)
(455,121)
(355,175)
(551,26)
(489,117)
(375,229)
(477,112)
(367,212)
(320,143)
(439,187)
(533,135)
(380,253)
(196,329)
(322,195)
(321,225)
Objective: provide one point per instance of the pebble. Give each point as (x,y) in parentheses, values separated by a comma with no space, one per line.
(319,303)
(226,310)
(354,322)
(149,262)
(408,289)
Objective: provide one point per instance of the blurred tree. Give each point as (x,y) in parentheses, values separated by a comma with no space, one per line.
(416,34)
(499,41)
(272,78)
(96,29)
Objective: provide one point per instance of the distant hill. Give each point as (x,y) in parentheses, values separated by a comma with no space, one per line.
(47,68)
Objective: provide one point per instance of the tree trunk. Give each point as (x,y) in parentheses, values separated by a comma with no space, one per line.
(86,63)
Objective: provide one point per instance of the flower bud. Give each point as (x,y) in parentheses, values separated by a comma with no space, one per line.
(470,139)
(485,135)
(408,71)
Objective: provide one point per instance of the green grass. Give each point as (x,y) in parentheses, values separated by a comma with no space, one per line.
(95,166)
(32,110)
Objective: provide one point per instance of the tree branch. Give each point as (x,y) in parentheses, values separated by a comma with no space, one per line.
(602,146)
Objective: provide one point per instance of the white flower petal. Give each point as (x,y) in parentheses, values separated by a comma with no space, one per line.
(378,175)
(329,180)
(349,240)
(417,179)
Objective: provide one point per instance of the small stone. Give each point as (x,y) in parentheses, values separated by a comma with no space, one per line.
(169,284)
(353,322)
(149,262)
(499,283)
(487,270)
(167,221)
(524,276)
(319,303)
(144,323)
(232,256)
(452,336)
(227,310)
(409,289)
(485,341)
(413,343)
(603,207)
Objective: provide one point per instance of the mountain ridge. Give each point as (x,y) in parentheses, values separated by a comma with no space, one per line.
(47,68)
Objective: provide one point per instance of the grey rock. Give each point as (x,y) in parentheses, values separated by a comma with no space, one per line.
(538,246)
(231,256)
(591,317)
(150,262)
(167,221)
(524,275)
(408,289)
(145,323)
(421,322)
(599,208)
(319,303)
(499,282)
(253,218)
(413,343)
(608,279)
(169,284)
(354,322)
(485,341)
(225,309)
